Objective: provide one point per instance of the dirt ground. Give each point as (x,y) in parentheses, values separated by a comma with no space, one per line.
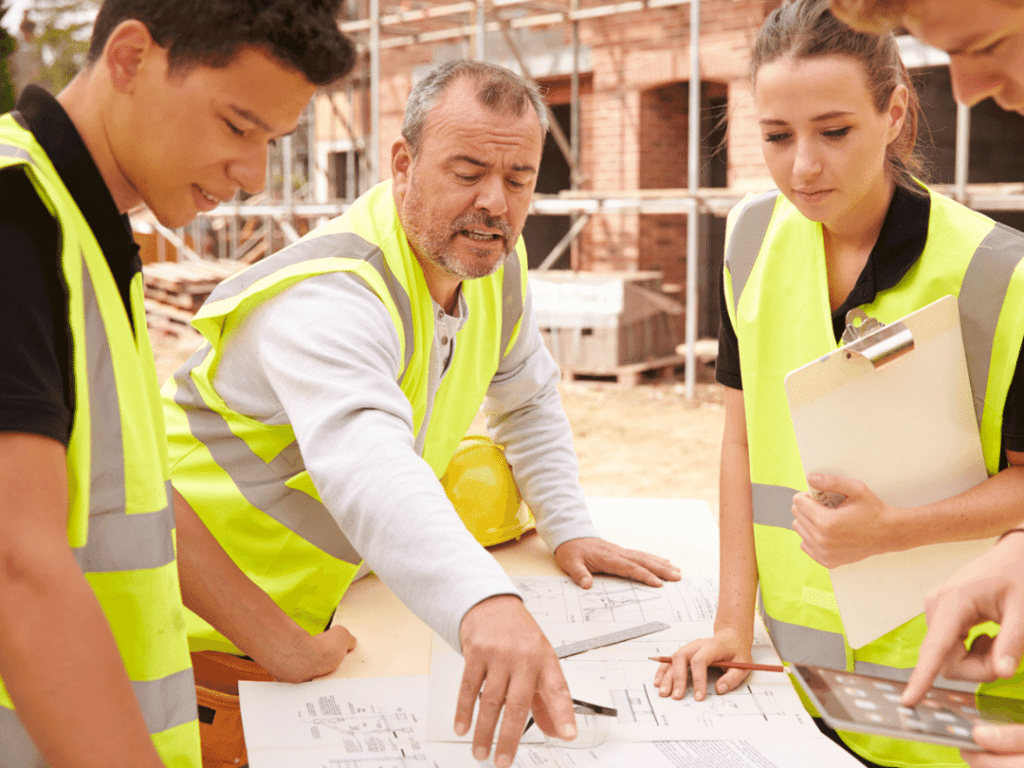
(646,441)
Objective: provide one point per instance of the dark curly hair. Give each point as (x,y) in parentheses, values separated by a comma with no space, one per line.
(302,34)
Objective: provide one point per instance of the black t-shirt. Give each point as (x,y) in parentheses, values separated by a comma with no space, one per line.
(900,244)
(36,371)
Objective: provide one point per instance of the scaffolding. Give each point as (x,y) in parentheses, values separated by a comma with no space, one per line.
(298,179)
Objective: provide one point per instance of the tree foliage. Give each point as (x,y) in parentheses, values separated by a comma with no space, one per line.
(8,45)
(61,38)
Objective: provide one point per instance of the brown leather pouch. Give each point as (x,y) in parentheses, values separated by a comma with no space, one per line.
(220,720)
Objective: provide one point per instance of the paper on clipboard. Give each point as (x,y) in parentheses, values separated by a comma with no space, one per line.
(907,429)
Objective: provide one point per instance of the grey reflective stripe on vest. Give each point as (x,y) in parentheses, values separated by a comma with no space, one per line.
(122,542)
(981,300)
(746,239)
(511,300)
(17,749)
(117,541)
(773,505)
(165,703)
(261,483)
(803,645)
(344,245)
(6,150)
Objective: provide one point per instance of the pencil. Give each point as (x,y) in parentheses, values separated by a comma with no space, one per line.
(730,664)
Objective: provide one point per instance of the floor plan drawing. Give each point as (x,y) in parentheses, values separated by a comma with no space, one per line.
(609,600)
(765,707)
(360,724)
(371,761)
(624,602)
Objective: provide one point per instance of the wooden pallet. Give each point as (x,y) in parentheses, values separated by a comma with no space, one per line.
(185,284)
(175,291)
(631,374)
(166,321)
(705,350)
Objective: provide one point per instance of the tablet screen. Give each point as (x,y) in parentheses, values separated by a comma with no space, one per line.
(853,702)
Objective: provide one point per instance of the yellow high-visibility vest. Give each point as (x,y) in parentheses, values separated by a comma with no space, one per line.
(246,480)
(120,512)
(776,288)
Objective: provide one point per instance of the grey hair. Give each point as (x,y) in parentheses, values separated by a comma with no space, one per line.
(497,88)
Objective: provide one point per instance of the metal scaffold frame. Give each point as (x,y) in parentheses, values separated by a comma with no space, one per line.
(297,196)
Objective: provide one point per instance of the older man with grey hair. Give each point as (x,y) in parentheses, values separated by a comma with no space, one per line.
(340,374)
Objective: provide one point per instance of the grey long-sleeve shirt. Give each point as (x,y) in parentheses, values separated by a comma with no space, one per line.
(324,356)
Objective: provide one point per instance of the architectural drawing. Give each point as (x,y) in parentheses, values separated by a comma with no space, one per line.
(557,600)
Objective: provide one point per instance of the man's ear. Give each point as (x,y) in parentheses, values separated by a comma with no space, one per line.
(127,48)
(401,165)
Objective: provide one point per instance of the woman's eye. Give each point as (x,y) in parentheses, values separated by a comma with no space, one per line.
(837,133)
(234,128)
(773,138)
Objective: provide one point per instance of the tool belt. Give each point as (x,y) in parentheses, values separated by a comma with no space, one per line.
(220,719)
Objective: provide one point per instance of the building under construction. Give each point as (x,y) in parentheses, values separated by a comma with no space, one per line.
(627,191)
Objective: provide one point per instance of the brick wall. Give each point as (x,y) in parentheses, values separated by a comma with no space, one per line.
(635,127)
(633,118)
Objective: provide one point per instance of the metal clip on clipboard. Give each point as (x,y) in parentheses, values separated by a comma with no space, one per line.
(878,343)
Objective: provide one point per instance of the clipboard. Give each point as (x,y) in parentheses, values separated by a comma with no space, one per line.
(893,408)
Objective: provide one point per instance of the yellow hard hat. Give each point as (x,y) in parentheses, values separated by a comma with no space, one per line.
(479,484)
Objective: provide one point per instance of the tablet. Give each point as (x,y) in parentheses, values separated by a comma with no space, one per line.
(864,704)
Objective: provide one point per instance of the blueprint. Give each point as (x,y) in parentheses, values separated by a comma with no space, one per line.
(766,709)
(609,601)
(622,676)
(361,723)
(772,753)
(380,723)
